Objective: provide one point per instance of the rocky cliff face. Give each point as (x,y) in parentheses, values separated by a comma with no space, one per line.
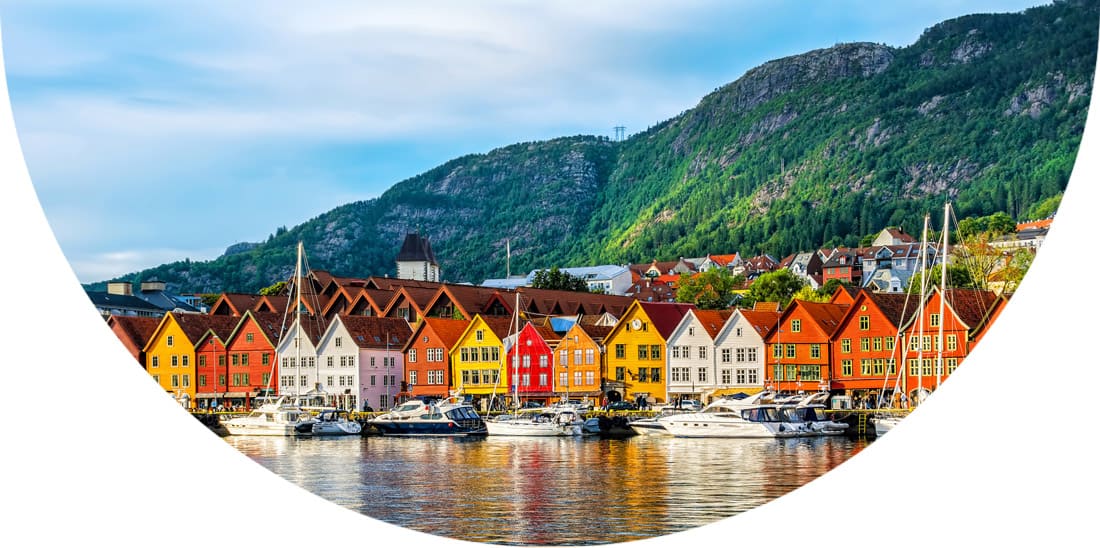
(777,78)
(802,152)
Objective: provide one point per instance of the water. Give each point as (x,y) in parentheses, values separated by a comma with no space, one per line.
(548,490)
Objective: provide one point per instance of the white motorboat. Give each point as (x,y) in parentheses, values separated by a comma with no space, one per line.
(332,422)
(544,421)
(280,417)
(808,416)
(649,426)
(449,417)
(885,423)
(730,418)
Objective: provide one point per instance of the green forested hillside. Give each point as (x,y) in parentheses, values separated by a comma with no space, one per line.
(812,150)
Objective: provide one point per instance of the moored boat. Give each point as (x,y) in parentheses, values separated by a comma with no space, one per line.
(730,418)
(449,417)
(807,414)
(280,417)
(537,422)
(332,422)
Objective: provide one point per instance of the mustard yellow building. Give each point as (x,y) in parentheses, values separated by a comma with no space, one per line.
(170,354)
(636,350)
(478,361)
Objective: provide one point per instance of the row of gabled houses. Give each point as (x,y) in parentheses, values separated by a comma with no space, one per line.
(356,352)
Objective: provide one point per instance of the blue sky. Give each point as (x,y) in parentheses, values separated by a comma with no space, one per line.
(158,131)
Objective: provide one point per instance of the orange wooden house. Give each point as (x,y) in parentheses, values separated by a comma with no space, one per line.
(798,351)
(428,357)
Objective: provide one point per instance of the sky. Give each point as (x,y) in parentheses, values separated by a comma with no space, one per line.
(159,131)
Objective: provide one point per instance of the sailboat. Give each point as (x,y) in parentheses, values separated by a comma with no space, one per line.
(280,416)
(543,421)
(884,422)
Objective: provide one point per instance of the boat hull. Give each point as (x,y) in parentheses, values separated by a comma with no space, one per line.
(644,427)
(428,428)
(532,429)
(255,429)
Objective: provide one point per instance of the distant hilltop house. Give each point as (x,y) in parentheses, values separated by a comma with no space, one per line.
(416,261)
(1028,235)
(153,300)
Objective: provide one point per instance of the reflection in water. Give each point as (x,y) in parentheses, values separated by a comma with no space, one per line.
(548,490)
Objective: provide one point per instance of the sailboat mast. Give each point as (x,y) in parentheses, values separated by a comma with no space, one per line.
(298,319)
(515,357)
(943,294)
(920,320)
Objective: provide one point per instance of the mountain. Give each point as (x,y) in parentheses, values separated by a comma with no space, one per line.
(812,150)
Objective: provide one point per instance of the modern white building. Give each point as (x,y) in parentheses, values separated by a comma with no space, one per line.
(609,279)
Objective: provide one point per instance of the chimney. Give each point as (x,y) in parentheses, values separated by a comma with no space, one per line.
(152,286)
(120,288)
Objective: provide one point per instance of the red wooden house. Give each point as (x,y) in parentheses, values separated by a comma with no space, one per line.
(964,315)
(865,348)
(211,364)
(534,369)
(251,354)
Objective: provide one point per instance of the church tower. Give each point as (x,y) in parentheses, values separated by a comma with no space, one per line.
(416,261)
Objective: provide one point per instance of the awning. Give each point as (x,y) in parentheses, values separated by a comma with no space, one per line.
(749,390)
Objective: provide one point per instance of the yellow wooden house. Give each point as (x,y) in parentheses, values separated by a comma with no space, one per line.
(170,354)
(636,351)
(478,361)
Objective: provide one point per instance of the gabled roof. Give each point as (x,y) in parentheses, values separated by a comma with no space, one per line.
(595,332)
(377,332)
(766,306)
(234,304)
(418,297)
(374,299)
(827,316)
(447,329)
(270,324)
(501,326)
(763,321)
(971,306)
(468,300)
(545,331)
(665,316)
(136,329)
(722,260)
(391,284)
(898,308)
(712,320)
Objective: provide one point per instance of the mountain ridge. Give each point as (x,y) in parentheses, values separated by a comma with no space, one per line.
(806,151)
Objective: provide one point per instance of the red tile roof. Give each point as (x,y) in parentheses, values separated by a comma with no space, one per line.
(712,320)
(763,321)
(377,332)
(970,305)
(665,316)
(826,315)
(447,329)
(134,330)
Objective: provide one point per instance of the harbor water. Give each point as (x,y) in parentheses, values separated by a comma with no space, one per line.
(548,491)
